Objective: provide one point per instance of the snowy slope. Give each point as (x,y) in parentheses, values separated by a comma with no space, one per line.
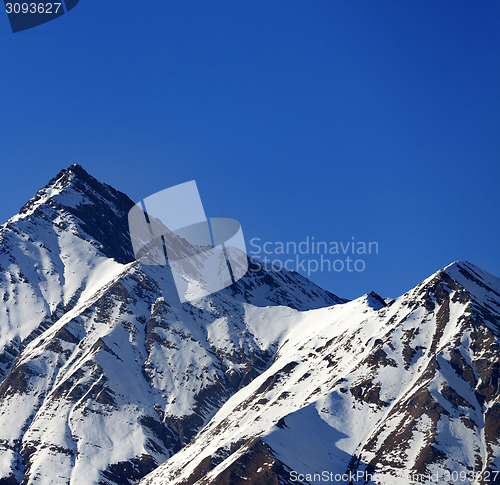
(48,258)
(405,392)
(105,374)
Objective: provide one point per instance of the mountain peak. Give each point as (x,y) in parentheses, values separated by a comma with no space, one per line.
(474,279)
(98,210)
(76,167)
(76,176)
(375,301)
(467,275)
(62,188)
(460,265)
(466,283)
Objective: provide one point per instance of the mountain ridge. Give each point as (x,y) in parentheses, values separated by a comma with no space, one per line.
(362,394)
(106,378)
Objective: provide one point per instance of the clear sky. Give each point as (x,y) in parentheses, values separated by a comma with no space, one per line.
(378,120)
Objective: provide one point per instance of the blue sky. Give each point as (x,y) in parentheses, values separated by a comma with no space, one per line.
(335,119)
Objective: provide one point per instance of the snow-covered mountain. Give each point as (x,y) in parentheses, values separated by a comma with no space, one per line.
(104,373)
(367,392)
(107,378)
